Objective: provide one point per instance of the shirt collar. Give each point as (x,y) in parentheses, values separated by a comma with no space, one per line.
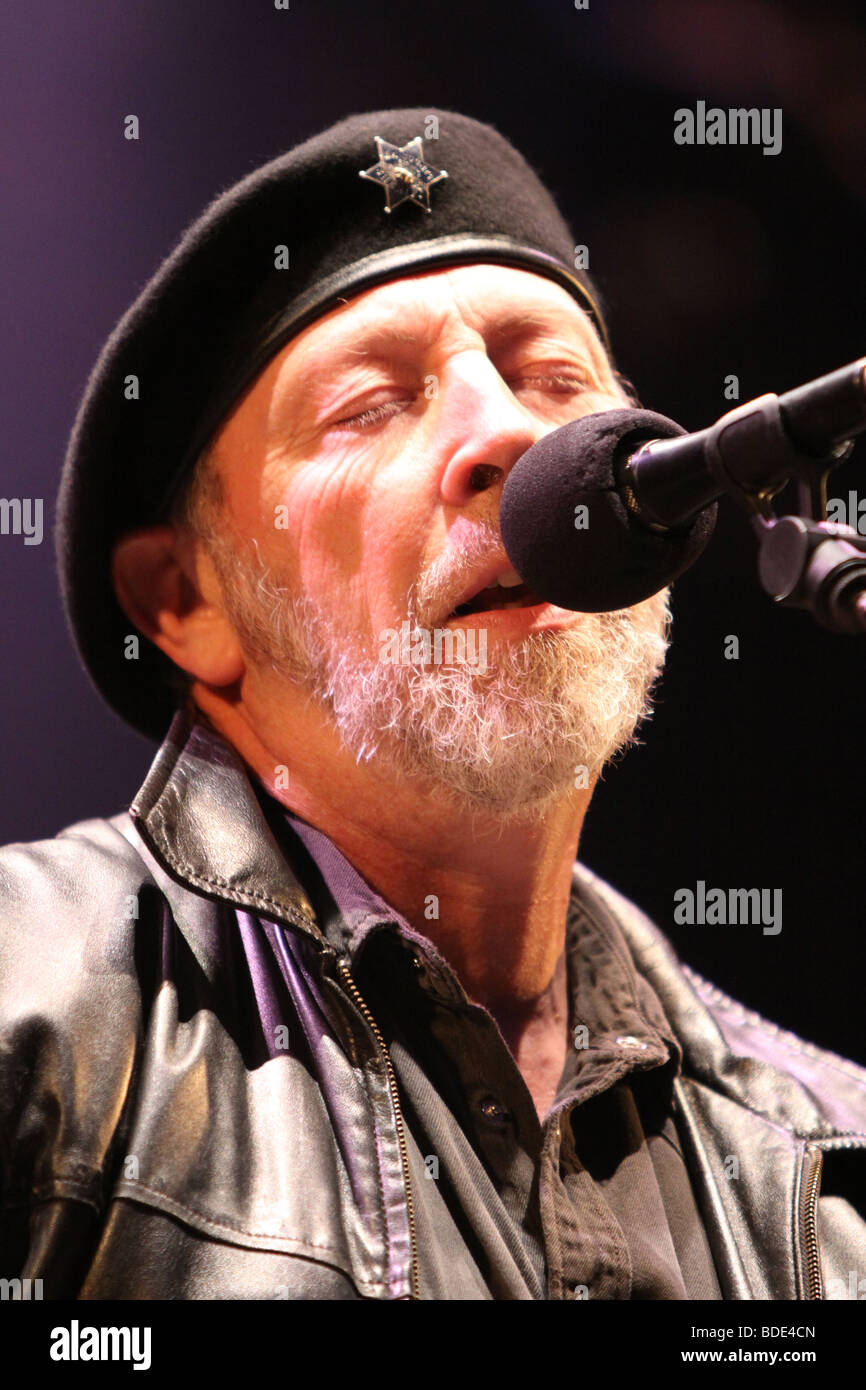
(609,998)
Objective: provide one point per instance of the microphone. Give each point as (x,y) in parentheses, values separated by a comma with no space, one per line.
(608,510)
(568,526)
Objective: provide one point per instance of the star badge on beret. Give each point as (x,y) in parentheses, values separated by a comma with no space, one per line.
(404,173)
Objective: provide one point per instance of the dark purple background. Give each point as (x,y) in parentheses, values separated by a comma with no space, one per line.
(713,260)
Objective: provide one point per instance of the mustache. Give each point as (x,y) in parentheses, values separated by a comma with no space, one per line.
(471,547)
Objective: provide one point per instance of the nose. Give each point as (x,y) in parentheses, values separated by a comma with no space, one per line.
(483,430)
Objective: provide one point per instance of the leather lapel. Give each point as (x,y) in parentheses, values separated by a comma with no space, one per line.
(199,816)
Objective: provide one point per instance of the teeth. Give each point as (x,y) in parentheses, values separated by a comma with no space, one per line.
(509,580)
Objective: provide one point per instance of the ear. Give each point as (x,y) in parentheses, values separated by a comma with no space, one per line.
(168,588)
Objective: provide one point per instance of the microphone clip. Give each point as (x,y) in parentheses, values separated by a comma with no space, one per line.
(816,565)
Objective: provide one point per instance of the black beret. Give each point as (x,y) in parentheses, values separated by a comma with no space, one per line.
(266,258)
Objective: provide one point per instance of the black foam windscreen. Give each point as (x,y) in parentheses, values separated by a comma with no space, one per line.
(566,526)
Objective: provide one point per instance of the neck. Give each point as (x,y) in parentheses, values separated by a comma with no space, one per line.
(491,891)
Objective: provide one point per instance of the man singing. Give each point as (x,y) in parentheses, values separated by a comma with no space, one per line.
(332,1012)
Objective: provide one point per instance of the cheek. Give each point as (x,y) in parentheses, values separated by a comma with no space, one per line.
(399,525)
(319,529)
(353,536)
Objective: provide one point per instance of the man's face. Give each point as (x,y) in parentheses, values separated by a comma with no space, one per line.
(363,474)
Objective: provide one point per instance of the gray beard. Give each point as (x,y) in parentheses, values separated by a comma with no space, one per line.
(543,718)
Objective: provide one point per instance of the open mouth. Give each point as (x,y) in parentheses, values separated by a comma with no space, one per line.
(495,598)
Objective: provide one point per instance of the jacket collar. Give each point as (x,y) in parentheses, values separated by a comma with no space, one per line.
(198,815)
(805,1089)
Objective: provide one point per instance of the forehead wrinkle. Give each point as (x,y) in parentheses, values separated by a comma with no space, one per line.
(380,342)
(378,333)
(380,337)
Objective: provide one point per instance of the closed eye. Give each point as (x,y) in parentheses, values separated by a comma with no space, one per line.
(559,383)
(556,382)
(374,415)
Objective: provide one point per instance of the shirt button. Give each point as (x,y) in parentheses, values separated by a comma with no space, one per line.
(629,1041)
(491,1109)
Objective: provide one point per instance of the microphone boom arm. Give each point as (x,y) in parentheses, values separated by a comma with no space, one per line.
(750,454)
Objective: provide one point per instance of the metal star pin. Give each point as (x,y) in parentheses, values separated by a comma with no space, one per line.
(404,173)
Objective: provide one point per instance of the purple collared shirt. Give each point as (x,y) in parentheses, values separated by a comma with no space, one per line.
(595,1202)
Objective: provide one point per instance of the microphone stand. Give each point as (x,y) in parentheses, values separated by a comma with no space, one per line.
(804,561)
(816,565)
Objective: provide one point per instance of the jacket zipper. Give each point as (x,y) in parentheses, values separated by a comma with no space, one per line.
(814,1287)
(398,1119)
(815,1156)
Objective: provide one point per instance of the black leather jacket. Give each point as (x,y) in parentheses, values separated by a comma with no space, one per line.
(151,1147)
